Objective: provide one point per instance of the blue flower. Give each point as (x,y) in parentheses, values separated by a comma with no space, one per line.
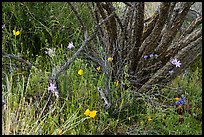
(151,55)
(145,57)
(181,101)
(156,55)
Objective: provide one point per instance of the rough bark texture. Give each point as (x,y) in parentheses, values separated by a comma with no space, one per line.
(143,48)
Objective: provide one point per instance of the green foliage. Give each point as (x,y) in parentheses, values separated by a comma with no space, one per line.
(55,26)
(31,109)
(197,65)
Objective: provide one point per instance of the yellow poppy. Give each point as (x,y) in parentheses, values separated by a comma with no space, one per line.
(59,131)
(80,72)
(110,59)
(92,114)
(16,33)
(98,68)
(129,118)
(116,82)
(87,112)
(62,120)
(176,98)
(149,119)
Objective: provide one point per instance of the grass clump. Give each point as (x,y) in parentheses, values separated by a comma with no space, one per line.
(30,109)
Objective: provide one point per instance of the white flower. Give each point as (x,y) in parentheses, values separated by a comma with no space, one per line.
(70,45)
(173,61)
(176,62)
(52,87)
(50,52)
(3,26)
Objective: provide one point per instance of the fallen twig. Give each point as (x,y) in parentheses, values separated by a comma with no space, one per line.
(106,103)
(19,59)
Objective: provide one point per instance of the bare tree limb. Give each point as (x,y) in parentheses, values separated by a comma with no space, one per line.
(78,16)
(106,103)
(162,75)
(152,39)
(137,35)
(192,26)
(62,68)
(128,4)
(18,58)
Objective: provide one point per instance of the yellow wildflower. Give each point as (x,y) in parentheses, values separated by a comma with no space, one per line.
(87,112)
(110,59)
(16,33)
(176,98)
(116,82)
(129,118)
(80,72)
(62,120)
(149,119)
(92,114)
(59,131)
(98,68)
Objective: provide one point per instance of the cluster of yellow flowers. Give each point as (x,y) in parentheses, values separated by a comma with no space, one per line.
(16,33)
(89,113)
(110,59)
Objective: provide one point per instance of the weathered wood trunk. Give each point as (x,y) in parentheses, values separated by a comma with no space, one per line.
(143,47)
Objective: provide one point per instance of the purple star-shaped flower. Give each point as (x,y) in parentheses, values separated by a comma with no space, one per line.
(52,87)
(70,45)
(145,57)
(176,62)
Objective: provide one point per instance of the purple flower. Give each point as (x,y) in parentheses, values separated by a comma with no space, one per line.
(173,61)
(145,57)
(176,62)
(52,87)
(70,45)
(151,55)
(156,55)
(171,71)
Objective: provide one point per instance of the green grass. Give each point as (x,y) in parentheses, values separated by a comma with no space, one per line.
(30,109)
(22,115)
